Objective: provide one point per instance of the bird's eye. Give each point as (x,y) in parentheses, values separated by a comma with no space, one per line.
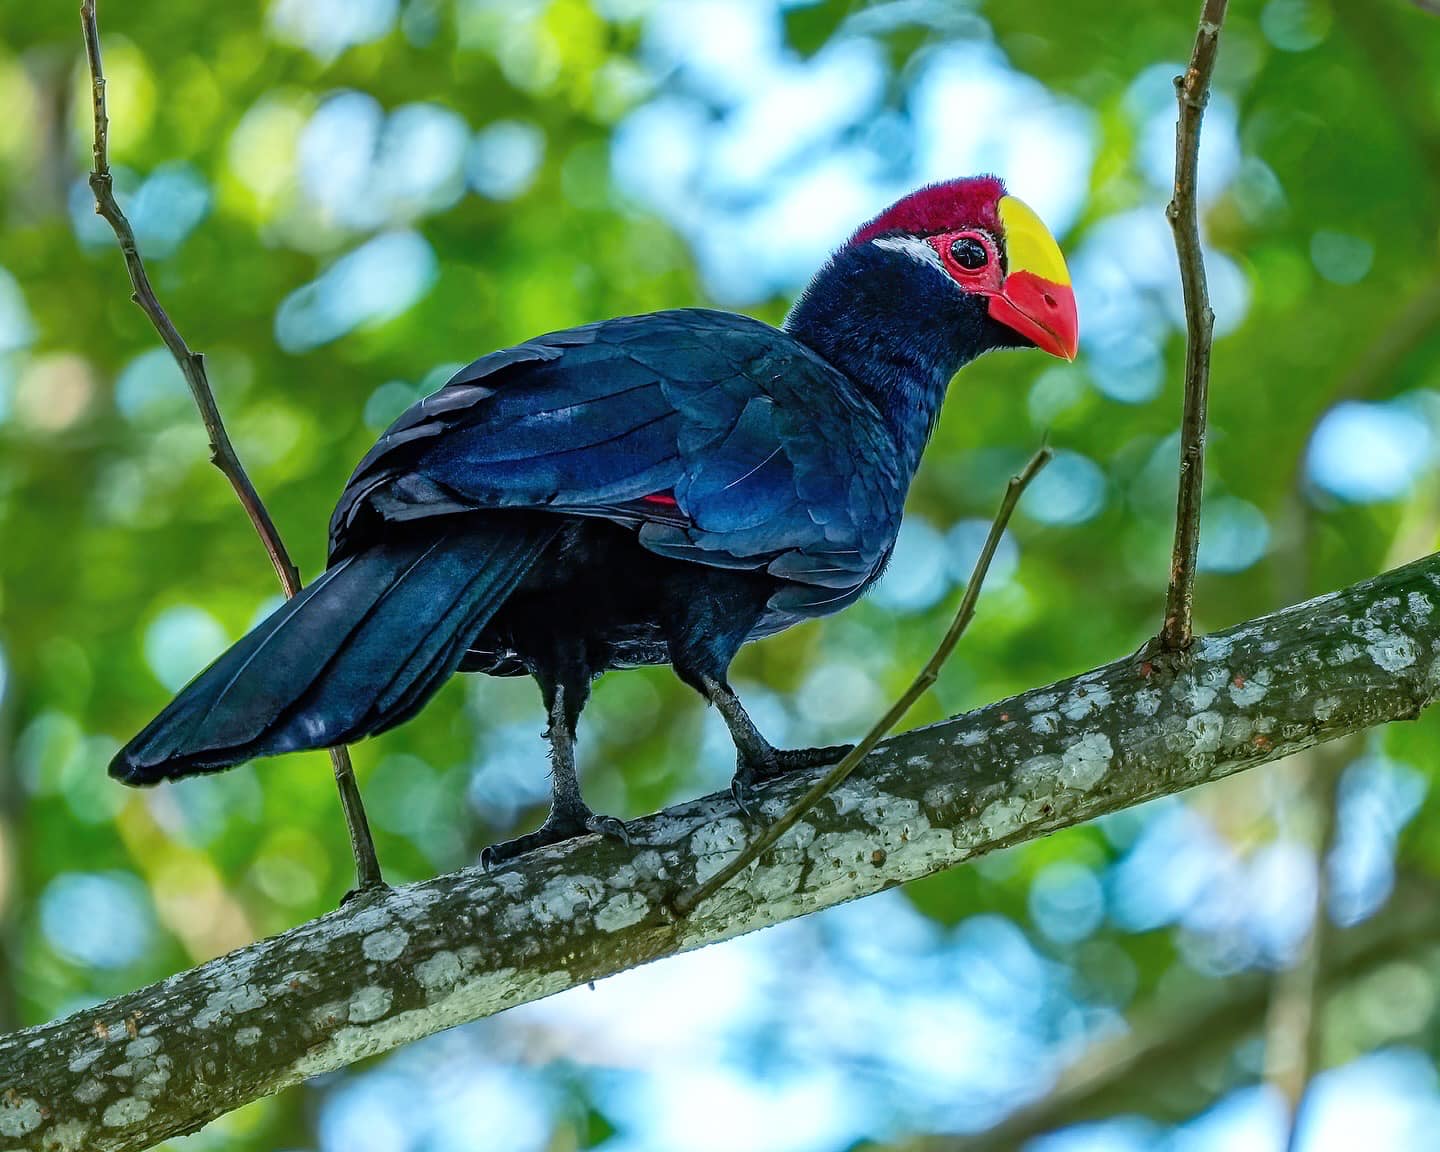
(969,253)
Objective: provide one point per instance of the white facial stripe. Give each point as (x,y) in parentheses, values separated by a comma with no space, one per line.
(912,246)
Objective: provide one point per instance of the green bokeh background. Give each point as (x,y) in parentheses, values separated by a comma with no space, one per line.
(111,519)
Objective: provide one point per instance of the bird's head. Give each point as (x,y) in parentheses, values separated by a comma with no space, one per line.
(990,247)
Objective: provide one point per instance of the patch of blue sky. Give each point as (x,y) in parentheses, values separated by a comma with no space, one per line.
(326,28)
(1366,452)
(97,919)
(766,161)
(378,281)
(163,208)
(363,168)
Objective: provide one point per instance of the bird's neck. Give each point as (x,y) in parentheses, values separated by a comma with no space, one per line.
(898,329)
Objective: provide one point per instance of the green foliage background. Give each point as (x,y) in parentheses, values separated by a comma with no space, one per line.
(111,518)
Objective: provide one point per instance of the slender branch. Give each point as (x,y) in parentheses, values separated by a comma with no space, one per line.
(403,963)
(222,452)
(686,902)
(1292,1016)
(1192,91)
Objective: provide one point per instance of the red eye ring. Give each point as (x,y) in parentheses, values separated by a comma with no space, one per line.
(971,257)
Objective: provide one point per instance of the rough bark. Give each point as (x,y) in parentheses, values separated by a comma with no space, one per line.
(390,968)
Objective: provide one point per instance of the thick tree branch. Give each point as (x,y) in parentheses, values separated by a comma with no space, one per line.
(1192,91)
(396,965)
(222,452)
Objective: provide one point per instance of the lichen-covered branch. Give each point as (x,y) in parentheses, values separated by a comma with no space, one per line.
(396,965)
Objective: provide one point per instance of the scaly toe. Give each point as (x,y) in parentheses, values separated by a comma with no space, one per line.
(610,827)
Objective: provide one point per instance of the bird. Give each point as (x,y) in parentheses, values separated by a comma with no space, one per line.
(650,489)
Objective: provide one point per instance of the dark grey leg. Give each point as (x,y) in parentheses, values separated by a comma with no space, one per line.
(756,759)
(569,815)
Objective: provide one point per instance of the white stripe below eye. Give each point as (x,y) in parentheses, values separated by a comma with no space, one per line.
(912,246)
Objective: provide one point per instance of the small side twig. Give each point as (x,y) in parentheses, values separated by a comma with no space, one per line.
(1192,91)
(222,452)
(688,900)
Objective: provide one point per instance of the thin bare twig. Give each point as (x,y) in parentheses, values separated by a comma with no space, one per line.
(687,901)
(1192,91)
(222,452)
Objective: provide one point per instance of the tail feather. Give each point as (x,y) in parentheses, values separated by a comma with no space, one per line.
(356,652)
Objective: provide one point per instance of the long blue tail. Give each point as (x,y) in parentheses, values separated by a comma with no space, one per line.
(356,652)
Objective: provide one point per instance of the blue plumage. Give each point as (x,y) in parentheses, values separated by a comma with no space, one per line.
(655,488)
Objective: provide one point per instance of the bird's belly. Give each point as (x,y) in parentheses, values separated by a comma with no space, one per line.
(598,588)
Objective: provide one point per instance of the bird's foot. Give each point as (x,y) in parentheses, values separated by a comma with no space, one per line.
(558,828)
(751,771)
(365,892)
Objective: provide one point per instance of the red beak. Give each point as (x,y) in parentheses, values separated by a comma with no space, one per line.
(1040,310)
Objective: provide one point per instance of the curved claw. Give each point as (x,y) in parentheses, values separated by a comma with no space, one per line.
(555,830)
(742,790)
(609,827)
(749,772)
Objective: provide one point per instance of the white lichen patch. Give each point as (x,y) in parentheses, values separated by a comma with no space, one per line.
(1004,817)
(1147,702)
(144,1046)
(1420,607)
(1238,729)
(1247,691)
(1214,649)
(439,973)
(714,845)
(565,897)
(68,1136)
(944,794)
(1205,729)
(385,944)
(1086,761)
(18,1114)
(126,1110)
(369,1003)
(1085,701)
(776,882)
(1039,775)
(511,883)
(151,1076)
(970,738)
(621,911)
(226,1002)
(1045,723)
(89,1091)
(84,1058)
(1325,707)
(369,919)
(1042,701)
(1346,653)
(248,1036)
(648,865)
(882,811)
(1196,692)
(1392,651)
(480,995)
